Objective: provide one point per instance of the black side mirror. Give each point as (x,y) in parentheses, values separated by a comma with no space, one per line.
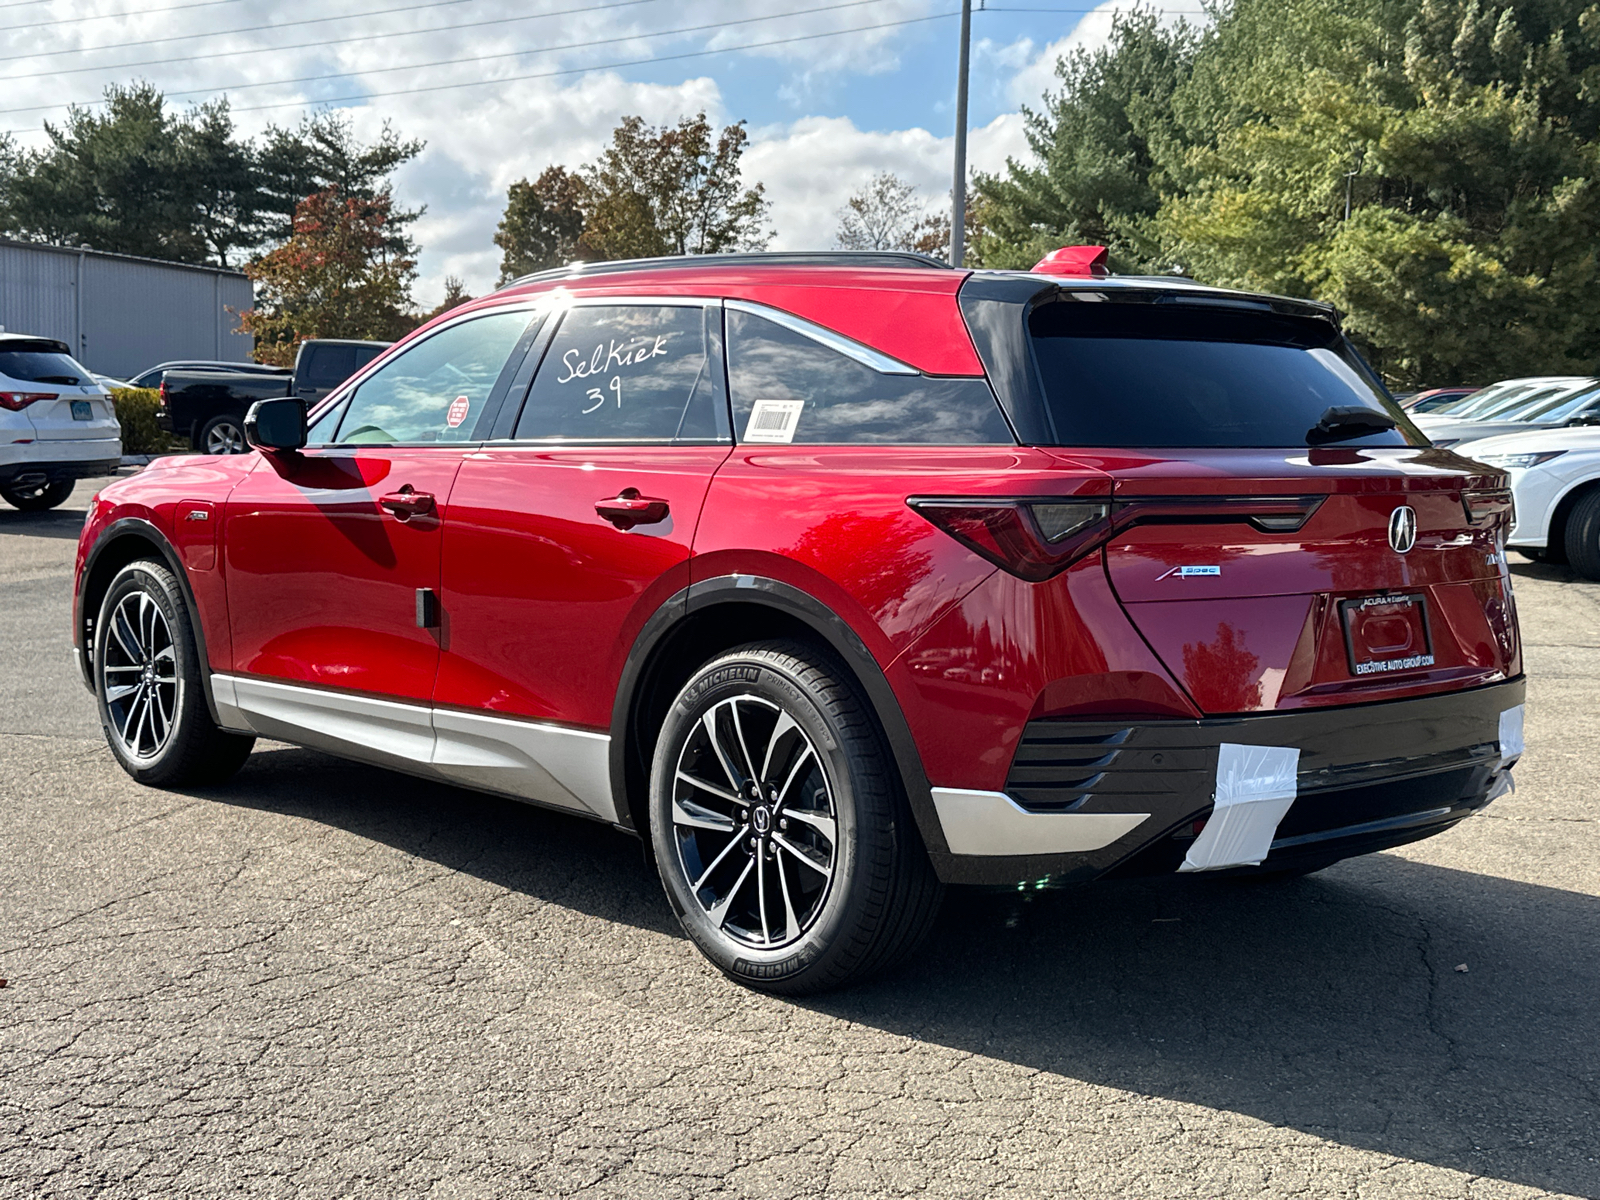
(276,424)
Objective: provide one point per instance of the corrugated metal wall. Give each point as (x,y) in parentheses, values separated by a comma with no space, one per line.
(122,314)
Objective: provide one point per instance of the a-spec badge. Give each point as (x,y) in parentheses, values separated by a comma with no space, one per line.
(1402,529)
(1188,572)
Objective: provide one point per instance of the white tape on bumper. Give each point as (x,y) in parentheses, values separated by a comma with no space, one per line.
(1511,734)
(1255,787)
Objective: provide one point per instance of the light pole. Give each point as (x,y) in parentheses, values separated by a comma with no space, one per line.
(958,191)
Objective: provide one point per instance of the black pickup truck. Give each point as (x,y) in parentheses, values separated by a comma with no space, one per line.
(206,405)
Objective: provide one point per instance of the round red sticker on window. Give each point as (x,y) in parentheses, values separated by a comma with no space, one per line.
(458,411)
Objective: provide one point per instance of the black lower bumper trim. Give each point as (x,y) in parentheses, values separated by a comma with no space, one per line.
(1370,776)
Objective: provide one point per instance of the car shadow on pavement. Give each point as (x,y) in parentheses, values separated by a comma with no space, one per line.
(65,523)
(1332,1004)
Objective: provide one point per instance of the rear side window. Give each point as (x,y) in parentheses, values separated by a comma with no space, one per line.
(1141,374)
(787,387)
(625,373)
(330,365)
(437,389)
(42,366)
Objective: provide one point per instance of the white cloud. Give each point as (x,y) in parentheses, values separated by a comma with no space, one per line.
(1093,31)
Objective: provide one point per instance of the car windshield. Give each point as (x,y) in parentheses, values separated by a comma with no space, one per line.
(1557,408)
(1133,373)
(42,366)
(1507,408)
(1485,402)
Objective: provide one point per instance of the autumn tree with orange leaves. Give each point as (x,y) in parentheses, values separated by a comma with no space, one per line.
(338,276)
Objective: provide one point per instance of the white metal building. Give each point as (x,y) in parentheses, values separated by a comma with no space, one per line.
(122,314)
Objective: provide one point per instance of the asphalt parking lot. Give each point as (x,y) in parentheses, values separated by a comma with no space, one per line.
(327,980)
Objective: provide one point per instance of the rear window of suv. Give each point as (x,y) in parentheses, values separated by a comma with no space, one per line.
(41,366)
(1143,374)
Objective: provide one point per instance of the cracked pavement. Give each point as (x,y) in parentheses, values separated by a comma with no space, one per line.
(328,980)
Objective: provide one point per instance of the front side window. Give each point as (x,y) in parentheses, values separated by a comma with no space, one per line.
(330,365)
(436,390)
(625,373)
(787,387)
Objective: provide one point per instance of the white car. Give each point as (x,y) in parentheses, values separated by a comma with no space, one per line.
(1570,402)
(1555,480)
(57,425)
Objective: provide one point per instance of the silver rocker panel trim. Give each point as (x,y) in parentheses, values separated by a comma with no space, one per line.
(547,764)
(993,824)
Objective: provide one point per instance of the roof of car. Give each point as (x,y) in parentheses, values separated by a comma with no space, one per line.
(56,345)
(191,364)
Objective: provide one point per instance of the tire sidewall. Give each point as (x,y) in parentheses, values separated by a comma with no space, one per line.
(214,423)
(159,585)
(752,674)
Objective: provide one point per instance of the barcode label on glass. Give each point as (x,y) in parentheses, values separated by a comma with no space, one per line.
(773,421)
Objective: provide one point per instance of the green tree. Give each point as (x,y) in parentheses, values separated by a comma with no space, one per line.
(672,190)
(1097,179)
(336,276)
(542,223)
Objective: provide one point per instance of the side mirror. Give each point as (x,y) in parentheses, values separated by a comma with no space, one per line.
(276,424)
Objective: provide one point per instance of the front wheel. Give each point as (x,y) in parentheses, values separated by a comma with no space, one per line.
(147,681)
(780,828)
(38,497)
(1583,536)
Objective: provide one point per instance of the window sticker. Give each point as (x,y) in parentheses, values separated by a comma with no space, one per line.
(773,421)
(458,412)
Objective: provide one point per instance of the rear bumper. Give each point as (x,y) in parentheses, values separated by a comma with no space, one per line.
(1088,799)
(46,462)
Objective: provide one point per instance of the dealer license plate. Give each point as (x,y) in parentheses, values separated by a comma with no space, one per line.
(82,410)
(1386,633)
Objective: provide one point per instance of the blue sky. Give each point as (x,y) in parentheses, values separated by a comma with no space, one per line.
(825,112)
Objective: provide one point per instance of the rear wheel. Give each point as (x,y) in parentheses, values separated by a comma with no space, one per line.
(782,834)
(1583,536)
(222,435)
(147,681)
(39,496)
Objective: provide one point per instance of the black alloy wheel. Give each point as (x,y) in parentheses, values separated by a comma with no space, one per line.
(148,685)
(780,828)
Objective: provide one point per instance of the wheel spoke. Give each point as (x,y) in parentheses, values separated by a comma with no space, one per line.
(144,715)
(113,694)
(744,746)
(686,813)
(761,892)
(710,788)
(127,718)
(802,857)
(717,861)
(122,630)
(818,821)
(719,911)
(799,762)
(163,712)
(710,723)
(792,926)
(785,723)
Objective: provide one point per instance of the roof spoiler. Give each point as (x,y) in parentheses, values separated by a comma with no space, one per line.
(1082,261)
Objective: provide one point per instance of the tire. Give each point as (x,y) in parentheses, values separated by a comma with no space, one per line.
(222,435)
(40,496)
(161,730)
(1583,536)
(838,884)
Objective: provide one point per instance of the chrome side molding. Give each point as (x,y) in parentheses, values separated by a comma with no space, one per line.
(992,823)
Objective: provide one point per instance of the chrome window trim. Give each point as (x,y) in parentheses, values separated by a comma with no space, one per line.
(849,347)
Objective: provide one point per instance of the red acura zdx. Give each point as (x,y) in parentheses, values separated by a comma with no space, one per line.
(840,578)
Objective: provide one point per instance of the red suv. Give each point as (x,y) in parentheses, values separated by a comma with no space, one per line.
(839,578)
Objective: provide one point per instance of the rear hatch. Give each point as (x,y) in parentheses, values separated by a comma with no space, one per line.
(1283,536)
(69,404)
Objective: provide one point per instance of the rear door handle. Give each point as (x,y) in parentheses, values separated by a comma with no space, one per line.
(629,508)
(407,503)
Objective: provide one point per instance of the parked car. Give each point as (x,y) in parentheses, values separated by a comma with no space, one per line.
(837,579)
(1576,403)
(152,377)
(106,382)
(1496,395)
(207,406)
(57,425)
(1555,478)
(1422,402)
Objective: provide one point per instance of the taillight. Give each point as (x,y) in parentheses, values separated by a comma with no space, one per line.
(17,401)
(1036,537)
(163,391)
(1484,504)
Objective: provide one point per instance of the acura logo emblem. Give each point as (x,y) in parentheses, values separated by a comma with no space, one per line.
(1403,528)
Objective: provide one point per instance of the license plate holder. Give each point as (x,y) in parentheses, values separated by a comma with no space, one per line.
(1386,634)
(82,410)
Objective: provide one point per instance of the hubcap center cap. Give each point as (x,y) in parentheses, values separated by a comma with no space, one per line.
(761,819)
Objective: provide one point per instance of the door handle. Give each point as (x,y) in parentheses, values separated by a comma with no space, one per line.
(407,503)
(629,509)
